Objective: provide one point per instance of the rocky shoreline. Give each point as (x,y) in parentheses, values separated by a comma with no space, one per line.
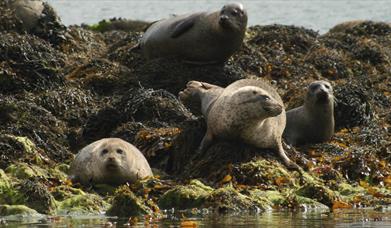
(62,88)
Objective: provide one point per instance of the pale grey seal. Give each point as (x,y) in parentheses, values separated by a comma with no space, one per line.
(249,110)
(202,38)
(313,122)
(109,161)
(28,11)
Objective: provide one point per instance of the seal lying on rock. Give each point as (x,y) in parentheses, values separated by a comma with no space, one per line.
(109,161)
(312,122)
(202,38)
(28,11)
(248,109)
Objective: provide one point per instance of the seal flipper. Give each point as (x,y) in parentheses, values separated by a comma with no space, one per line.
(184,25)
(206,141)
(288,163)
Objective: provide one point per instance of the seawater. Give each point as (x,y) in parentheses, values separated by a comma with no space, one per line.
(311,219)
(319,15)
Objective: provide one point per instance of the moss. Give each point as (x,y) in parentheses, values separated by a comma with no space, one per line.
(261,171)
(36,196)
(186,196)
(6,210)
(125,203)
(82,203)
(26,171)
(228,199)
(346,189)
(319,193)
(7,191)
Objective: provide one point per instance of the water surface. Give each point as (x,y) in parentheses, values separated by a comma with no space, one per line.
(310,219)
(319,15)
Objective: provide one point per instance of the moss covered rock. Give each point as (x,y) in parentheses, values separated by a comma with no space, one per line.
(125,203)
(82,203)
(188,196)
(228,199)
(6,210)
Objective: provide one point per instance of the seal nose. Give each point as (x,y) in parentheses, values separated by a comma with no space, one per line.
(322,95)
(273,109)
(223,19)
(111,159)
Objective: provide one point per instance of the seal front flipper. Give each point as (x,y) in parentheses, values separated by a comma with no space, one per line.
(184,25)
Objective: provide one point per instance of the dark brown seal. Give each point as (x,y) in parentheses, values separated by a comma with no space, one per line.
(312,122)
(202,38)
(250,110)
(109,161)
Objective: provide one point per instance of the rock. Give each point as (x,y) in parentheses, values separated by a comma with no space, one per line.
(126,203)
(6,210)
(189,196)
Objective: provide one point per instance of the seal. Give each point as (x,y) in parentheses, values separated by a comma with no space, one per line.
(199,38)
(28,11)
(110,161)
(249,110)
(313,122)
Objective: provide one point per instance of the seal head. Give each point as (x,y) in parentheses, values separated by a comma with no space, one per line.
(251,97)
(233,16)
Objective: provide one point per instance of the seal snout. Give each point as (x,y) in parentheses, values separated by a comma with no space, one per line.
(273,109)
(322,96)
(224,19)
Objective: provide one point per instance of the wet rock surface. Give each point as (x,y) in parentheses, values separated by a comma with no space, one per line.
(63,89)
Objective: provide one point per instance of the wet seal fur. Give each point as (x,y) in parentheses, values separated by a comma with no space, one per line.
(109,161)
(199,38)
(250,110)
(312,122)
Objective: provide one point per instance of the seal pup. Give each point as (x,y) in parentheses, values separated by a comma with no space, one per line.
(313,122)
(109,161)
(199,38)
(250,110)
(28,11)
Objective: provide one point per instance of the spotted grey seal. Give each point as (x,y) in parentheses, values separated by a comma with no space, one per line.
(250,110)
(28,11)
(109,161)
(201,38)
(312,122)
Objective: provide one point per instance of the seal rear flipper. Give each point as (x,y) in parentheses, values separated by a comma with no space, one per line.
(184,25)
(206,141)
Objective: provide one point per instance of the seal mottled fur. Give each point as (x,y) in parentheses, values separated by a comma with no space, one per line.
(202,38)
(109,161)
(313,122)
(28,11)
(250,110)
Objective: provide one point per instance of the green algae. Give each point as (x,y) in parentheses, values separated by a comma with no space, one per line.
(227,200)
(188,196)
(83,203)
(6,210)
(26,171)
(125,203)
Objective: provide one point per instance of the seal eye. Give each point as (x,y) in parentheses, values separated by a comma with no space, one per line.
(234,13)
(254,92)
(119,151)
(327,86)
(266,98)
(104,151)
